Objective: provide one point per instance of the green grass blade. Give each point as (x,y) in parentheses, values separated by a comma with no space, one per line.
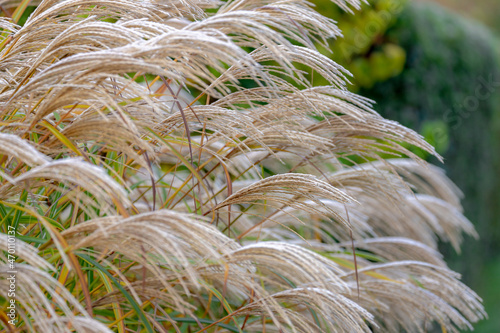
(133,303)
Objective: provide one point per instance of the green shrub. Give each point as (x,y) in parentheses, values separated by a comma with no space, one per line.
(363,49)
(449,92)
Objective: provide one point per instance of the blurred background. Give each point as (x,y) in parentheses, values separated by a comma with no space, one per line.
(434,66)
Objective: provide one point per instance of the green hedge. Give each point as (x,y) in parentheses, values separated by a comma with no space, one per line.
(449,91)
(364,51)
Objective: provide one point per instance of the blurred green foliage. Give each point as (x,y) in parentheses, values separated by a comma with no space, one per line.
(448,90)
(364,50)
(485,11)
(439,74)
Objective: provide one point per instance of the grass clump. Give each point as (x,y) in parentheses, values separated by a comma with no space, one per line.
(193,201)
